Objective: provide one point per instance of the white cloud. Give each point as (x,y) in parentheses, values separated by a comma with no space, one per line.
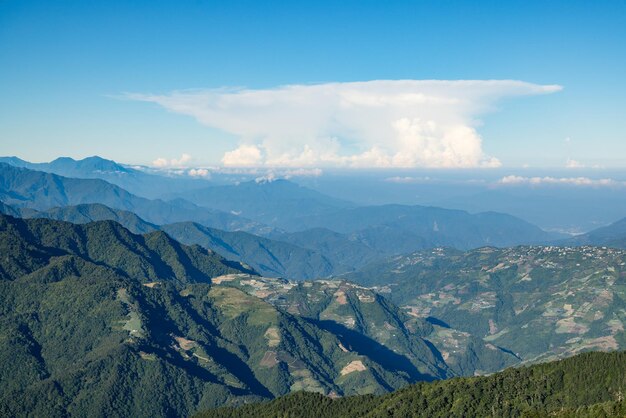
(183,160)
(160,162)
(382,123)
(407,179)
(302,172)
(573,181)
(268,178)
(573,164)
(244,156)
(275,174)
(165,163)
(199,172)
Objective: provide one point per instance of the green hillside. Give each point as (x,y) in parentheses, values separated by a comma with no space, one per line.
(340,249)
(31,244)
(371,325)
(269,257)
(85,213)
(588,385)
(97,321)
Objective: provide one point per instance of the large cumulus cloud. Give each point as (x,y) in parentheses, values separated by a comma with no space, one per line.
(382,123)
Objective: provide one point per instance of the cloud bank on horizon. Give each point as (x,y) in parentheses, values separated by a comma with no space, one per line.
(381,123)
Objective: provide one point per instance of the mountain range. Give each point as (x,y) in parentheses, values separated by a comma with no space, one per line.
(39,190)
(314,253)
(273,202)
(133,179)
(207,295)
(292,208)
(97,320)
(342,237)
(269,257)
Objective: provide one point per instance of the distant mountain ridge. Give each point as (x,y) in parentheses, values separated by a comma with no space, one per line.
(135,181)
(342,249)
(613,235)
(323,236)
(300,215)
(272,202)
(293,209)
(398,229)
(39,190)
(268,257)
(92,212)
(315,253)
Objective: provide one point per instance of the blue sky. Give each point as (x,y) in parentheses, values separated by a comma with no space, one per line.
(66,66)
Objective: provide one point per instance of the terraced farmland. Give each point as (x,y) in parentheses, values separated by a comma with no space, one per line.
(540,302)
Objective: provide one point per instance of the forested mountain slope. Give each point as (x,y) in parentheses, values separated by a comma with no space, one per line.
(97,321)
(588,385)
(269,257)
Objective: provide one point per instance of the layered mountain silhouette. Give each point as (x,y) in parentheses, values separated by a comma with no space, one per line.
(135,180)
(39,190)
